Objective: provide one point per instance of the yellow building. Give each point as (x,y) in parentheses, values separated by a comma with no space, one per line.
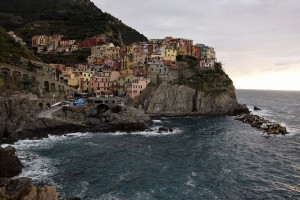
(170,54)
(128,65)
(182,51)
(122,81)
(73,81)
(86,77)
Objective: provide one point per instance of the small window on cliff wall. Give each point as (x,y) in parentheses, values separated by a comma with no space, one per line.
(41,106)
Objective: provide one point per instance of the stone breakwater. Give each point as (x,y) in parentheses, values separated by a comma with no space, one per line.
(262,124)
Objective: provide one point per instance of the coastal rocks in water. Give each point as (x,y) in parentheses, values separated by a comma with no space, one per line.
(257,108)
(23,188)
(262,124)
(10,165)
(241,109)
(165,130)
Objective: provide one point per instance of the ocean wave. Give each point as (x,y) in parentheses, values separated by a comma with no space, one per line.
(152,133)
(46,142)
(36,167)
(84,187)
(157,121)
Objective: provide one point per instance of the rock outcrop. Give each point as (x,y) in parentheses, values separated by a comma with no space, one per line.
(24,189)
(256,108)
(10,165)
(176,100)
(20,119)
(262,124)
(195,92)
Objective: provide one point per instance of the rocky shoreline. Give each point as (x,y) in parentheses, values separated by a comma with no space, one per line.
(262,124)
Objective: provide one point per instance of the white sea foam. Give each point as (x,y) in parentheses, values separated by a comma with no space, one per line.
(190,182)
(37,167)
(152,133)
(157,121)
(5,145)
(84,187)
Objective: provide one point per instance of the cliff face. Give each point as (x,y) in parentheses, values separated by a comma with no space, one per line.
(20,118)
(195,93)
(23,188)
(10,165)
(168,99)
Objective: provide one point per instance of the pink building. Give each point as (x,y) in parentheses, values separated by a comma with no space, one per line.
(102,83)
(135,87)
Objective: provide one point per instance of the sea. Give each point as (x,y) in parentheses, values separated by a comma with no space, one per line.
(203,158)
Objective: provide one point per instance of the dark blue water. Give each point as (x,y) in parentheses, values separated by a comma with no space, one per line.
(205,158)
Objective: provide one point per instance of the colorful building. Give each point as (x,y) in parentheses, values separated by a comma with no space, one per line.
(135,86)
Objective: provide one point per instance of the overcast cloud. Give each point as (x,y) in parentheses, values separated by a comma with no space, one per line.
(257,40)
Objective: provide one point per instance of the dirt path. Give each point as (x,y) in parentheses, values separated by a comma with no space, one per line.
(48,113)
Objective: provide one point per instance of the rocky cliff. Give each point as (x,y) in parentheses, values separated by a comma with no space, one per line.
(23,188)
(10,165)
(20,119)
(196,92)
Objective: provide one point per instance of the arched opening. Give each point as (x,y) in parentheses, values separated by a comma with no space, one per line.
(52,86)
(5,71)
(98,101)
(102,108)
(16,74)
(48,105)
(25,76)
(41,106)
(46,86)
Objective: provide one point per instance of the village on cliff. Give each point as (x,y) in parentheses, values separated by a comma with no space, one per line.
(111,70)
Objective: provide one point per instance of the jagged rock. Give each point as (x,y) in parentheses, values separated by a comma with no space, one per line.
(165,130)
(21,188)
(262,124)
(241,109)
(10,165)
(46,193)
(256,108)
(175,100)
(24,189)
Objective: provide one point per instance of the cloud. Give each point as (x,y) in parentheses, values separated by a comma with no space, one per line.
(245,33)
(287,62)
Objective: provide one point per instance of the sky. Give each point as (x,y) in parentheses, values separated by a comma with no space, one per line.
(258,41)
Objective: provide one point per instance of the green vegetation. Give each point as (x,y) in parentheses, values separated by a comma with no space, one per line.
(69,59)
(211,81)
(75,19)
(11,51)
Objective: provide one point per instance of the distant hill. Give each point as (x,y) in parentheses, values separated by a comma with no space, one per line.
(75,19)
(11,51)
